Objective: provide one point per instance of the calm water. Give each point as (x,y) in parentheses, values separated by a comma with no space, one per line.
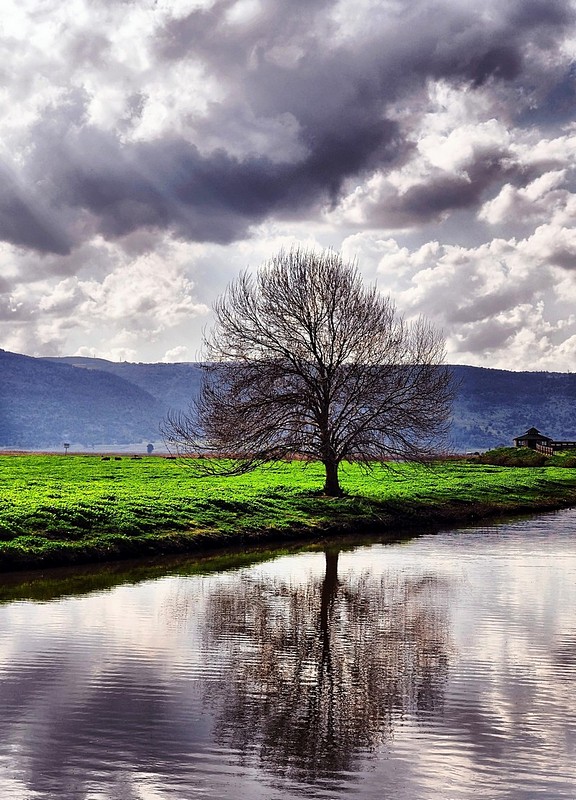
(441,668)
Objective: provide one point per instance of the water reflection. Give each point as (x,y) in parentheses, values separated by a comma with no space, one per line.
(319,670)
(440,668)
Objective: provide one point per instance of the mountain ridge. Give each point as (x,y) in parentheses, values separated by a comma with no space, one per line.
(90,401)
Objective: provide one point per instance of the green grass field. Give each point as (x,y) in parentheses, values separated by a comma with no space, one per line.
(57,509)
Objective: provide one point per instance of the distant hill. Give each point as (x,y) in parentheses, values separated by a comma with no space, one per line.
(173,385)
(492,406)
(90,401)
(45,403)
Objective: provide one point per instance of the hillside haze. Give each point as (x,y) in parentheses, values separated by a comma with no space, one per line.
(45,402)
(92,402)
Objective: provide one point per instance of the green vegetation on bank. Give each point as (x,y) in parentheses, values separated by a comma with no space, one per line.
(57,509)
(526,457)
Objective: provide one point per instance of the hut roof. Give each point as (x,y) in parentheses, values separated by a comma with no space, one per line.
(533,433)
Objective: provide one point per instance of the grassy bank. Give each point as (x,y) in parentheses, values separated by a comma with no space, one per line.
(71,509)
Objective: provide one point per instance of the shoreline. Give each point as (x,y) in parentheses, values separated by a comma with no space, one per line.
(61,511)
(382,518)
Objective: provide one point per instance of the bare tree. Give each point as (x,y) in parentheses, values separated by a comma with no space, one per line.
(304,359)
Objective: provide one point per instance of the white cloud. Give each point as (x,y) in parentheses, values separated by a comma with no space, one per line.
(140,300)
(176,354)
(503,304)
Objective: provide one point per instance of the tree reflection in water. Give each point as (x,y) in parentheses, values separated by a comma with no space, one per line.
(319,670)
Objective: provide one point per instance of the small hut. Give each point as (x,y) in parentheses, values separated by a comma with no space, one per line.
(532,438)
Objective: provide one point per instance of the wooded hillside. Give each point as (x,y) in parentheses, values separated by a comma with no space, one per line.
(91,402)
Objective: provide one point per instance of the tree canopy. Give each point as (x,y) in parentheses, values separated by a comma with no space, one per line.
(306,360)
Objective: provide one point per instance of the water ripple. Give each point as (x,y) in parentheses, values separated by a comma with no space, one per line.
(443,667)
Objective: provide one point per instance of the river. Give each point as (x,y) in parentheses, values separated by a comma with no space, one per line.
(441,667)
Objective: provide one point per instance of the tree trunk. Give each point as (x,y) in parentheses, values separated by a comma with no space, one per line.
(332,485)
(329,590)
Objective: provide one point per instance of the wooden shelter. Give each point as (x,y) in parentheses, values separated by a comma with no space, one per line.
(533,439)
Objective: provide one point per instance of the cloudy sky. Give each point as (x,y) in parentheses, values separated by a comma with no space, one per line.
(150,150)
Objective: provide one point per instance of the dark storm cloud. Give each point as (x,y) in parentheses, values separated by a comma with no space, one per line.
(394,52)
(488,168)
(25,221)
(208,34)
(440,39)
(486,307)
(459,43)
(169,184)
(488,335)
(540,14)
(443,192)
(293,59)
(557,105)
(564,257)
